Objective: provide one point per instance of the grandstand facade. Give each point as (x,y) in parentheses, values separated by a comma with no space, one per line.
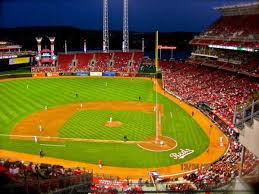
(13,55)
(232,42)
(113,61)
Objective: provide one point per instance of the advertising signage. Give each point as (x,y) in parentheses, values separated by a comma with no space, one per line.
(233,48)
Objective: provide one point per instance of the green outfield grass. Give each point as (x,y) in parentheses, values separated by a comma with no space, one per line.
(90,125)
(17,102)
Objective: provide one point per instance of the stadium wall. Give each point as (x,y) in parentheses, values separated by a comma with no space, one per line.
(249,136)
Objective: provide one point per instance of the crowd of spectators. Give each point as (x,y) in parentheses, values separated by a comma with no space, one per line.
(226,168)
(121,61)
(97,62)
(43,69)
(43,171)
(234,26)
(175,187)
(236,61)
(114,189)
(38,176)
(220,89)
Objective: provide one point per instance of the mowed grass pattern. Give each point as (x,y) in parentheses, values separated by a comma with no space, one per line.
(17,102)
(90,125)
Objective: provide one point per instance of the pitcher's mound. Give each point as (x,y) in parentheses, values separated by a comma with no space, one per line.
(113,124)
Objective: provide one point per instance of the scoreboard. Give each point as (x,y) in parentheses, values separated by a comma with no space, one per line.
(21,60)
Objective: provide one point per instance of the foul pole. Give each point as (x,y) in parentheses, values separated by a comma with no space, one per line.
(157,110)
(156,52)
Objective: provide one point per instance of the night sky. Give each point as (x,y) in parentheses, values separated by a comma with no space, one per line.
(144,15)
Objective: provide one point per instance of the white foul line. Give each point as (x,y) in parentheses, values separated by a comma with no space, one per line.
(53,145)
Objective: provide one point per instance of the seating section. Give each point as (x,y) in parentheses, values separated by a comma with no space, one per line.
(102,62)
(65,62)
(121,61)
(238,25)
(43,69)
(83,61)
(224,170)
(36,178)
(235,61)
(220,89)
(238,31)
(137,59)
(98,61)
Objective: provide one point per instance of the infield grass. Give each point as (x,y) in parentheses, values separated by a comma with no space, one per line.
(91,125)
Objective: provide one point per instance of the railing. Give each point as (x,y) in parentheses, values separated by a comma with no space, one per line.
(37,185)
(97,51)
(246,114)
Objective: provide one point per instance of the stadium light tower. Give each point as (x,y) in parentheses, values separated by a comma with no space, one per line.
(105,26)
(125,42)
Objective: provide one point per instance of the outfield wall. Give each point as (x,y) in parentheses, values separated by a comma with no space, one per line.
(11,76)
(79,74)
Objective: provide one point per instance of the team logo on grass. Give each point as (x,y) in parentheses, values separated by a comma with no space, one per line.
(181,154)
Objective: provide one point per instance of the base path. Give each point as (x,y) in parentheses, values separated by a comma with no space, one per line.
(213,153)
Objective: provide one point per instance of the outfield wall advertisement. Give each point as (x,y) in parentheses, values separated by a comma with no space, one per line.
(21,60)
(96,73)
(109,74)
(39,75)
(82,73)
(54,74)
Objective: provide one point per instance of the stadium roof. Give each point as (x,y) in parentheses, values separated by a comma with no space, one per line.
(239,9)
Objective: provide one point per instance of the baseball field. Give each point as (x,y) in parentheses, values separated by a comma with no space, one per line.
(91,119)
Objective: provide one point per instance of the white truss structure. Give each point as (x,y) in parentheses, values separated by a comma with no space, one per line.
(105,26)
(125,42)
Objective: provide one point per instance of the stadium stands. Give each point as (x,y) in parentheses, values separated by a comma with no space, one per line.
(83,61)
(65,62)
(38,178)
(97,61)
(43,69)
(137,58)
(234,26)
(102,62)
(220,89)
(121,61)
